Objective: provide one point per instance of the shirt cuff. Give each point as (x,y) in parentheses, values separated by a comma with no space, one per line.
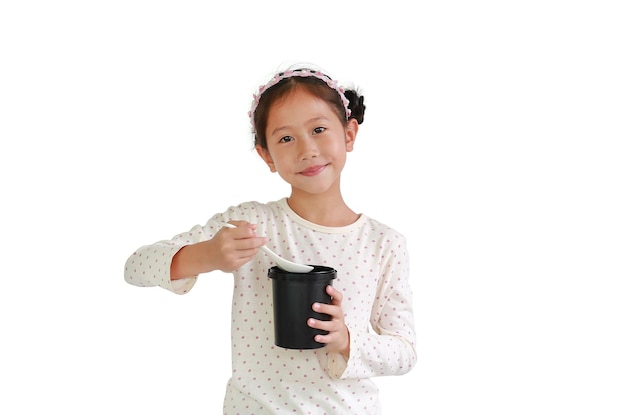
(166,253)
(183,285)
(337,364)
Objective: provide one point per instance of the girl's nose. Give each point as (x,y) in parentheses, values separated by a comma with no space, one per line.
(307,148)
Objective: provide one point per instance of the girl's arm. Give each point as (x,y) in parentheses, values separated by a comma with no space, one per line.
(228,250)
(390,348)
(150,265)
(175,264)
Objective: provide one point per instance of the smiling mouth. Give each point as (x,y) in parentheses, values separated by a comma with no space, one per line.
(313,170)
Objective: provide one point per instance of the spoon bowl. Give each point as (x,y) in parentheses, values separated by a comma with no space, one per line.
(281,262)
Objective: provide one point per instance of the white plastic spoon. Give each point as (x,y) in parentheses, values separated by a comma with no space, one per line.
(281,262)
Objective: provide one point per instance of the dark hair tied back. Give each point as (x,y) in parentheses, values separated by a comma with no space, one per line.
(357,105)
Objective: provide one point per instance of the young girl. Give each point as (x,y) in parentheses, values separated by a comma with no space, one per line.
(304,125)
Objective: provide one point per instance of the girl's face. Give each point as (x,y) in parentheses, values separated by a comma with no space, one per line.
(307,143)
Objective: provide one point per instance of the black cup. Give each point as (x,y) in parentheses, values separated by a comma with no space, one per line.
(294,294)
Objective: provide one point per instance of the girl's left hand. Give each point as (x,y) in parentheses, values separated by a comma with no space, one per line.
(338,337)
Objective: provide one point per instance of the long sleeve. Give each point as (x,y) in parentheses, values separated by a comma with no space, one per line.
(388,347)
(149,266)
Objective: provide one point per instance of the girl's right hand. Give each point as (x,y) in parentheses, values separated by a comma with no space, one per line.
(228,250)
(231,248)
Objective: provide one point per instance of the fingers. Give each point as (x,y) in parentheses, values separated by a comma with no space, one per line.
(335,295)
(334,308)
(242,228)
(249,244)
(336,317)
(235,246)
(244,236)
(338,336)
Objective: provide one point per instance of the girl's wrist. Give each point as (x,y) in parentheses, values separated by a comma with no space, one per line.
(345,351)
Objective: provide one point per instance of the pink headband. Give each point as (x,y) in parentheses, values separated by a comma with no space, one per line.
(298,72)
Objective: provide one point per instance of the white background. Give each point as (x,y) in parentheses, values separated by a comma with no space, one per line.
(493,140)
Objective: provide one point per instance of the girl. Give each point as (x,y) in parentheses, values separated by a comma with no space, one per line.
(304,125)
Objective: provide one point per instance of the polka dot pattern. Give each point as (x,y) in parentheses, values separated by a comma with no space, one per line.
(372,273)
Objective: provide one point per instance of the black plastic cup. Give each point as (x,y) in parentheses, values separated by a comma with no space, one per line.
(294,294)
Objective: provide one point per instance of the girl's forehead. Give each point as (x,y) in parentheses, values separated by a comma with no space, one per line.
(300,104)
(299,98)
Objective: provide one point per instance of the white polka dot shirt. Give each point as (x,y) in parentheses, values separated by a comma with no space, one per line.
(372,273)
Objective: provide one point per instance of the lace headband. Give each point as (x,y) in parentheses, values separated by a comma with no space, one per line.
(303,73)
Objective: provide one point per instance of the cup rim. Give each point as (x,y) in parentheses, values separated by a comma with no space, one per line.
(318,273)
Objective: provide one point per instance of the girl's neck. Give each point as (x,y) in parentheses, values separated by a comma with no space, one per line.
(323,210)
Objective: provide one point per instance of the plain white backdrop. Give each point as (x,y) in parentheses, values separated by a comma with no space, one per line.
(493,139)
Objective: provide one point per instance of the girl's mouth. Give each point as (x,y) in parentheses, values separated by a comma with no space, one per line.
(313,170)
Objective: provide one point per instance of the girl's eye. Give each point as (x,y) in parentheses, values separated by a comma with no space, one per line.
(318,130)
(286,139)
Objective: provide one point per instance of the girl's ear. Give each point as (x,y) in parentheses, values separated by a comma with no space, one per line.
(265,155)
(351,130)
